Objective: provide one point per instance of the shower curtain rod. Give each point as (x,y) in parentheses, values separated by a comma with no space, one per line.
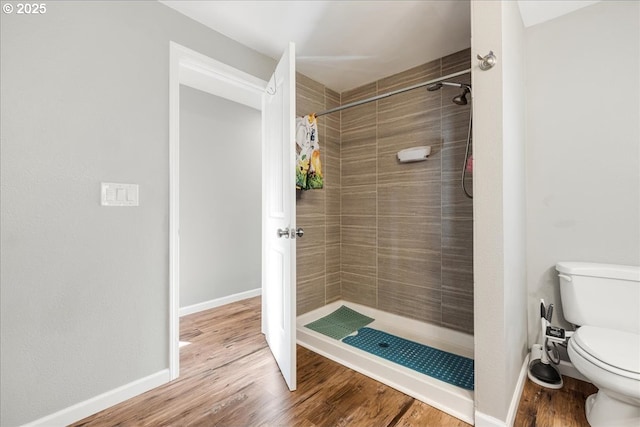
(395,92)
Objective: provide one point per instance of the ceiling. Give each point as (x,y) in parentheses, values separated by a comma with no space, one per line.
(342,44)
(345,44)
(537,11)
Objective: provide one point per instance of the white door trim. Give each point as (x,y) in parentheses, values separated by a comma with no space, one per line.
(193,69)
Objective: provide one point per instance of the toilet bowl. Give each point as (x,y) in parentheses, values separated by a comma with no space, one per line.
(611,360)
(604,301)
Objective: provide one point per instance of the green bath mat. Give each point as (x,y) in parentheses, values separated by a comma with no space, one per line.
(340,323)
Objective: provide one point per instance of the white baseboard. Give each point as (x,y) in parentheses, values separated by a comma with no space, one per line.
(484,420)
(517,394)
(103,401)
(190,309)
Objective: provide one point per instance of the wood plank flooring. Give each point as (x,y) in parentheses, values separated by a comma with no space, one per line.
(540,406)
(229,378)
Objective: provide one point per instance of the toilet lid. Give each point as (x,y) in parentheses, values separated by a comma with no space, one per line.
(615,348)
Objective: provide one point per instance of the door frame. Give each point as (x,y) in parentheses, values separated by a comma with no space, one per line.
(193,69)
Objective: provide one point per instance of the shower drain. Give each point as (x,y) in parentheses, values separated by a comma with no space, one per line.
(383,344)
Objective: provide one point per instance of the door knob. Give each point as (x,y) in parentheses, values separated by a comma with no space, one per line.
(283,233)
(300,232)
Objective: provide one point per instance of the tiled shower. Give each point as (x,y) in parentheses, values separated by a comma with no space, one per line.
(396,237)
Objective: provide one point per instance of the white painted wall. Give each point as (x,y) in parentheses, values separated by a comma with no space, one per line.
(84,288)
(499,209)
(583,145)
(514,201)
(220,197)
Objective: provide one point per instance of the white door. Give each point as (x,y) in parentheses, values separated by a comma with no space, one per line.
(279,214)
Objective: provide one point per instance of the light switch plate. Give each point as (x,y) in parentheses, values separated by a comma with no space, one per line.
(114,194)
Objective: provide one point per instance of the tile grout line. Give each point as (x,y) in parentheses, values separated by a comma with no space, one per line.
(376,193)
(325,205)
(441,189)
(340,200)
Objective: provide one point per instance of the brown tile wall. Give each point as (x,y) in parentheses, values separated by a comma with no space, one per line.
(318,211)
(407,230)
(398,237)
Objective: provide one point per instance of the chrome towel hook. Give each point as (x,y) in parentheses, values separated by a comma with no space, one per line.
(487,62)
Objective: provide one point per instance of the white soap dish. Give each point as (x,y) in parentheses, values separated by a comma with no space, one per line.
(414,154)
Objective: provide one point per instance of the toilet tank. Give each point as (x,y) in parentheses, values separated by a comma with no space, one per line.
(604,295)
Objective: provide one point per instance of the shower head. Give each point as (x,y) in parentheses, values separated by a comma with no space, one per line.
(462,98)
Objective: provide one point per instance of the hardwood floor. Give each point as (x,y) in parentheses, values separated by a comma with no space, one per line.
(540,406)
(229,378)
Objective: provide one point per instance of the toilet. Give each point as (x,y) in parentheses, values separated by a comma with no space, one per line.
(603,301)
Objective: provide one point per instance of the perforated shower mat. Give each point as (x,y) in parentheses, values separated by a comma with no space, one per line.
(340,323)
(447,367)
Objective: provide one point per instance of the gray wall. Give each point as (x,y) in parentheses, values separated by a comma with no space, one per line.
(583,145)
(84,289)
(220,197)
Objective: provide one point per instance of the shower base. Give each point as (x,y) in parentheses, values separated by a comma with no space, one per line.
(453,400)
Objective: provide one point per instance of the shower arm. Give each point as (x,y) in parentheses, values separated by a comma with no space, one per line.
(460,85)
